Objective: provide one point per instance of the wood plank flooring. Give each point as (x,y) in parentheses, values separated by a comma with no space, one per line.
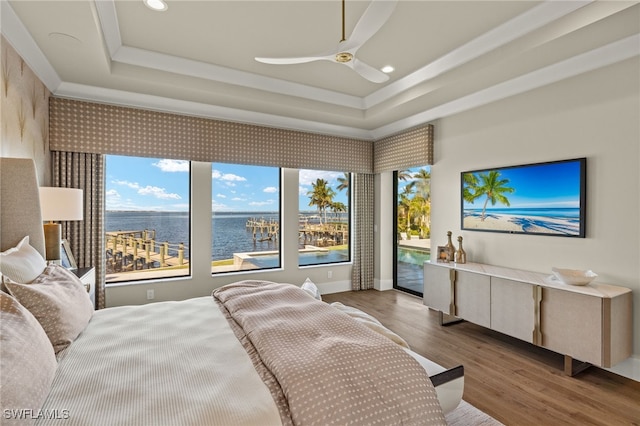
(513,381)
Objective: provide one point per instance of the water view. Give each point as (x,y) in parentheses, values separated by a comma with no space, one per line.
(148,220)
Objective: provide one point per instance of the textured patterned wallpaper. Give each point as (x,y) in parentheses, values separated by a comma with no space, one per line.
(25,112)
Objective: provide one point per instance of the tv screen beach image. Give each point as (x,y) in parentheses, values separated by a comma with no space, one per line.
(545,198)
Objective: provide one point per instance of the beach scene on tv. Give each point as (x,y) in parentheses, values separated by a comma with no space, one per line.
(530,199)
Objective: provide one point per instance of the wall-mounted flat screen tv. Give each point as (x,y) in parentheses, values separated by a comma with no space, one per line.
(538,199)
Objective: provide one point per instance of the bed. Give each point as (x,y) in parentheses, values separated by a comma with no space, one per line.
(252,353)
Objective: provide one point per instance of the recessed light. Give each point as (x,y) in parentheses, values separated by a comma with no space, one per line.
(158,5)
(387,69)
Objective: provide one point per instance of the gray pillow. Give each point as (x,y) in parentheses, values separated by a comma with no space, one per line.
(27,361)
(59,301)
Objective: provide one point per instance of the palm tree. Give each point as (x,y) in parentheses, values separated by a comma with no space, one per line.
(423,183)
(404,207)
(421,210)
(321,196)
(343,183)
(494,188)
(337,207)
(404,175)
(470,188)
(423,199)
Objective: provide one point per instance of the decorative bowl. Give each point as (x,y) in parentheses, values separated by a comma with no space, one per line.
(574,276)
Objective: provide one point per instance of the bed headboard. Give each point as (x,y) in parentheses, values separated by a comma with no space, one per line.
(20,213)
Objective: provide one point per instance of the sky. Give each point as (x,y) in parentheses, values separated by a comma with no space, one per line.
(134,183)
(551,185)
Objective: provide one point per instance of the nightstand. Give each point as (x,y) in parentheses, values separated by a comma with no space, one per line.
(88,278)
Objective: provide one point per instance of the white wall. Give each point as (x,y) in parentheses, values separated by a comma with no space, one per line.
(596,115)
(202,283)
(383,238)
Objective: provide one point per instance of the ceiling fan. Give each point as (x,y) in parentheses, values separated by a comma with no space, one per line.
(373,18)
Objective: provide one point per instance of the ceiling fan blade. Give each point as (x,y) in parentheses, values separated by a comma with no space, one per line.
(367,71)
(377,13)
(298,60)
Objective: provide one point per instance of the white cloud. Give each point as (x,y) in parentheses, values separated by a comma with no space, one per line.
(228,177)
(133,185)
(154,191)
(261,203)
(221,196)
(158,193)
(112,193)
(216,207)
(310,176)
(172,166)
(270,190)
(238,199)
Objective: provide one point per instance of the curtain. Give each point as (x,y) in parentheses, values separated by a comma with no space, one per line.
(363,245)
(86,237)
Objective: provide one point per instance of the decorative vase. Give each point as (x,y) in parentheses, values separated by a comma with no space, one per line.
(451,250)
(461,255)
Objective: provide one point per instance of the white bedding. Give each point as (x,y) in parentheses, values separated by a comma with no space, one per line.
(116,371)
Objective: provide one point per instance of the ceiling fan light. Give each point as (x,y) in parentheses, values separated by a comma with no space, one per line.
(158,5)
(387,69)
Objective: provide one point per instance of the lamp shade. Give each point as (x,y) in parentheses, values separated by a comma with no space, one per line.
(61,203)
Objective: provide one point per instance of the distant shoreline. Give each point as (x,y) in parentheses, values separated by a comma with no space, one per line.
(522,223)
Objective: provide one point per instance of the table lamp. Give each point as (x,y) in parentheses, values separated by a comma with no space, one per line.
(58,204)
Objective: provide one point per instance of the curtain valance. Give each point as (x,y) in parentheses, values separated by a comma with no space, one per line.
(411,148)
(89,127)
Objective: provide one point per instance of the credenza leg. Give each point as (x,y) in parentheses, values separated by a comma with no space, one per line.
(573,367)
(446,319)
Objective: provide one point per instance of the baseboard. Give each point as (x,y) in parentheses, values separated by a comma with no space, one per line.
(383,285)
(341,286)
(629,368)
(334,287)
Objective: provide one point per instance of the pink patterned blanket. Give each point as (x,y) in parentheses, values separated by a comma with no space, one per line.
(322,366)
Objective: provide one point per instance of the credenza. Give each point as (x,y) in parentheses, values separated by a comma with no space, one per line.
(589,325)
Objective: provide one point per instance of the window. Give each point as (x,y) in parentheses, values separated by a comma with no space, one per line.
(412,226)
(245,217)
(147,217)
(323,217)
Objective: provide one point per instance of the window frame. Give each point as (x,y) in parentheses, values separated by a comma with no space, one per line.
(279,212)
(145,276)
(349,223)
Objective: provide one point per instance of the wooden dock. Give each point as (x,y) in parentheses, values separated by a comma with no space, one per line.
(320,235)
(263,230)
(136,250)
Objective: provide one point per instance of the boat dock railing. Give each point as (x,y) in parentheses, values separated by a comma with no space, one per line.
(133,250)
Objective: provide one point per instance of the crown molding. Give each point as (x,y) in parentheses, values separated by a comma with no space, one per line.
(509,31)
(609,54)
(501,35)
(17,35)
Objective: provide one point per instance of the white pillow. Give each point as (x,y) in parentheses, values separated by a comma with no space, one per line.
(22,263)
(310,287)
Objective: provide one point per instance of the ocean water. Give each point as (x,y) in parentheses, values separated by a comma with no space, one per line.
(560,213)
(230,234)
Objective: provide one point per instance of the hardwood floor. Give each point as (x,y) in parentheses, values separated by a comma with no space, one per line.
(513,381)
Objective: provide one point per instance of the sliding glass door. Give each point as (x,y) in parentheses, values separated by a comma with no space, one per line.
(412,217)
